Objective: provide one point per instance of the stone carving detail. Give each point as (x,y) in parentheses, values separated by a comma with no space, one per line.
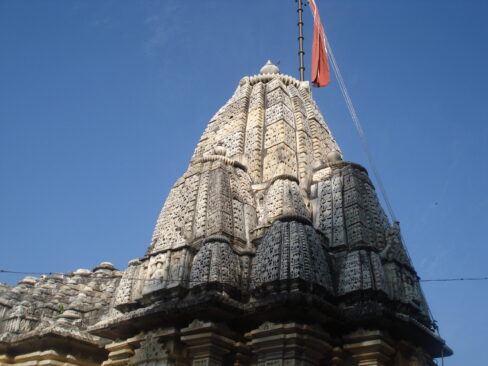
(151,353)
(280,132)
(274,84)
(279,112)
(125,293)
(201,203)
(201,207)
(288,344)
(245,266)
(241,187)
(403,282)
(291,251)
(279,160)
(234,142)
(394,249)
(283,198)
(227,126)
(305,159)
(361,270)
(158,270)
(273,127)
(219,208)
(58,303)
(277,96)
(256,99)
(175,221)
(167,270)
(215,262)
(347,210)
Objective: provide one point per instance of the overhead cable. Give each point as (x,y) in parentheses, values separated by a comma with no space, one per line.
(109,277)
(359,128)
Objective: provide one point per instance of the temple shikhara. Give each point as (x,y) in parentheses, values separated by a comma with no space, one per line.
(271,250)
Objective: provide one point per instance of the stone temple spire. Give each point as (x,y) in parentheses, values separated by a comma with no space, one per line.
(267,207)
(270,250)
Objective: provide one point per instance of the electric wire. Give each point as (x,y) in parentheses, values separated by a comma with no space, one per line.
(199,281)
(359,128)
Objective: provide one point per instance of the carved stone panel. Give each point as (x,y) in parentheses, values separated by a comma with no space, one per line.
(279,112)
(215,262)
(280,132)
(291,251)
(279,160)
(150,353)
(361,270)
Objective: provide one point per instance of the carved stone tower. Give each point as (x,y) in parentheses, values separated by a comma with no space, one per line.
(271,250)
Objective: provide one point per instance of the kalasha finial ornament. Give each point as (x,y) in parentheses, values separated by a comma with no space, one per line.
(269,68)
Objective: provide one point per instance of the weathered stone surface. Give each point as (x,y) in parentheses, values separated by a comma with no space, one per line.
(216,262)
(292,251)
(78,299)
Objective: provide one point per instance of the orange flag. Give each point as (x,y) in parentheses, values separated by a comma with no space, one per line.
(320,64)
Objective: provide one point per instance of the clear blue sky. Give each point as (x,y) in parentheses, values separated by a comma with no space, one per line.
(102,103)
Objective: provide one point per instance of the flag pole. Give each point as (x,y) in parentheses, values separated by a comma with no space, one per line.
(301,53)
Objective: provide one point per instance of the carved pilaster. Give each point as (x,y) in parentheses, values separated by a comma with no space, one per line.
(159,347)
(369,348)
(288,344)
(207,343)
